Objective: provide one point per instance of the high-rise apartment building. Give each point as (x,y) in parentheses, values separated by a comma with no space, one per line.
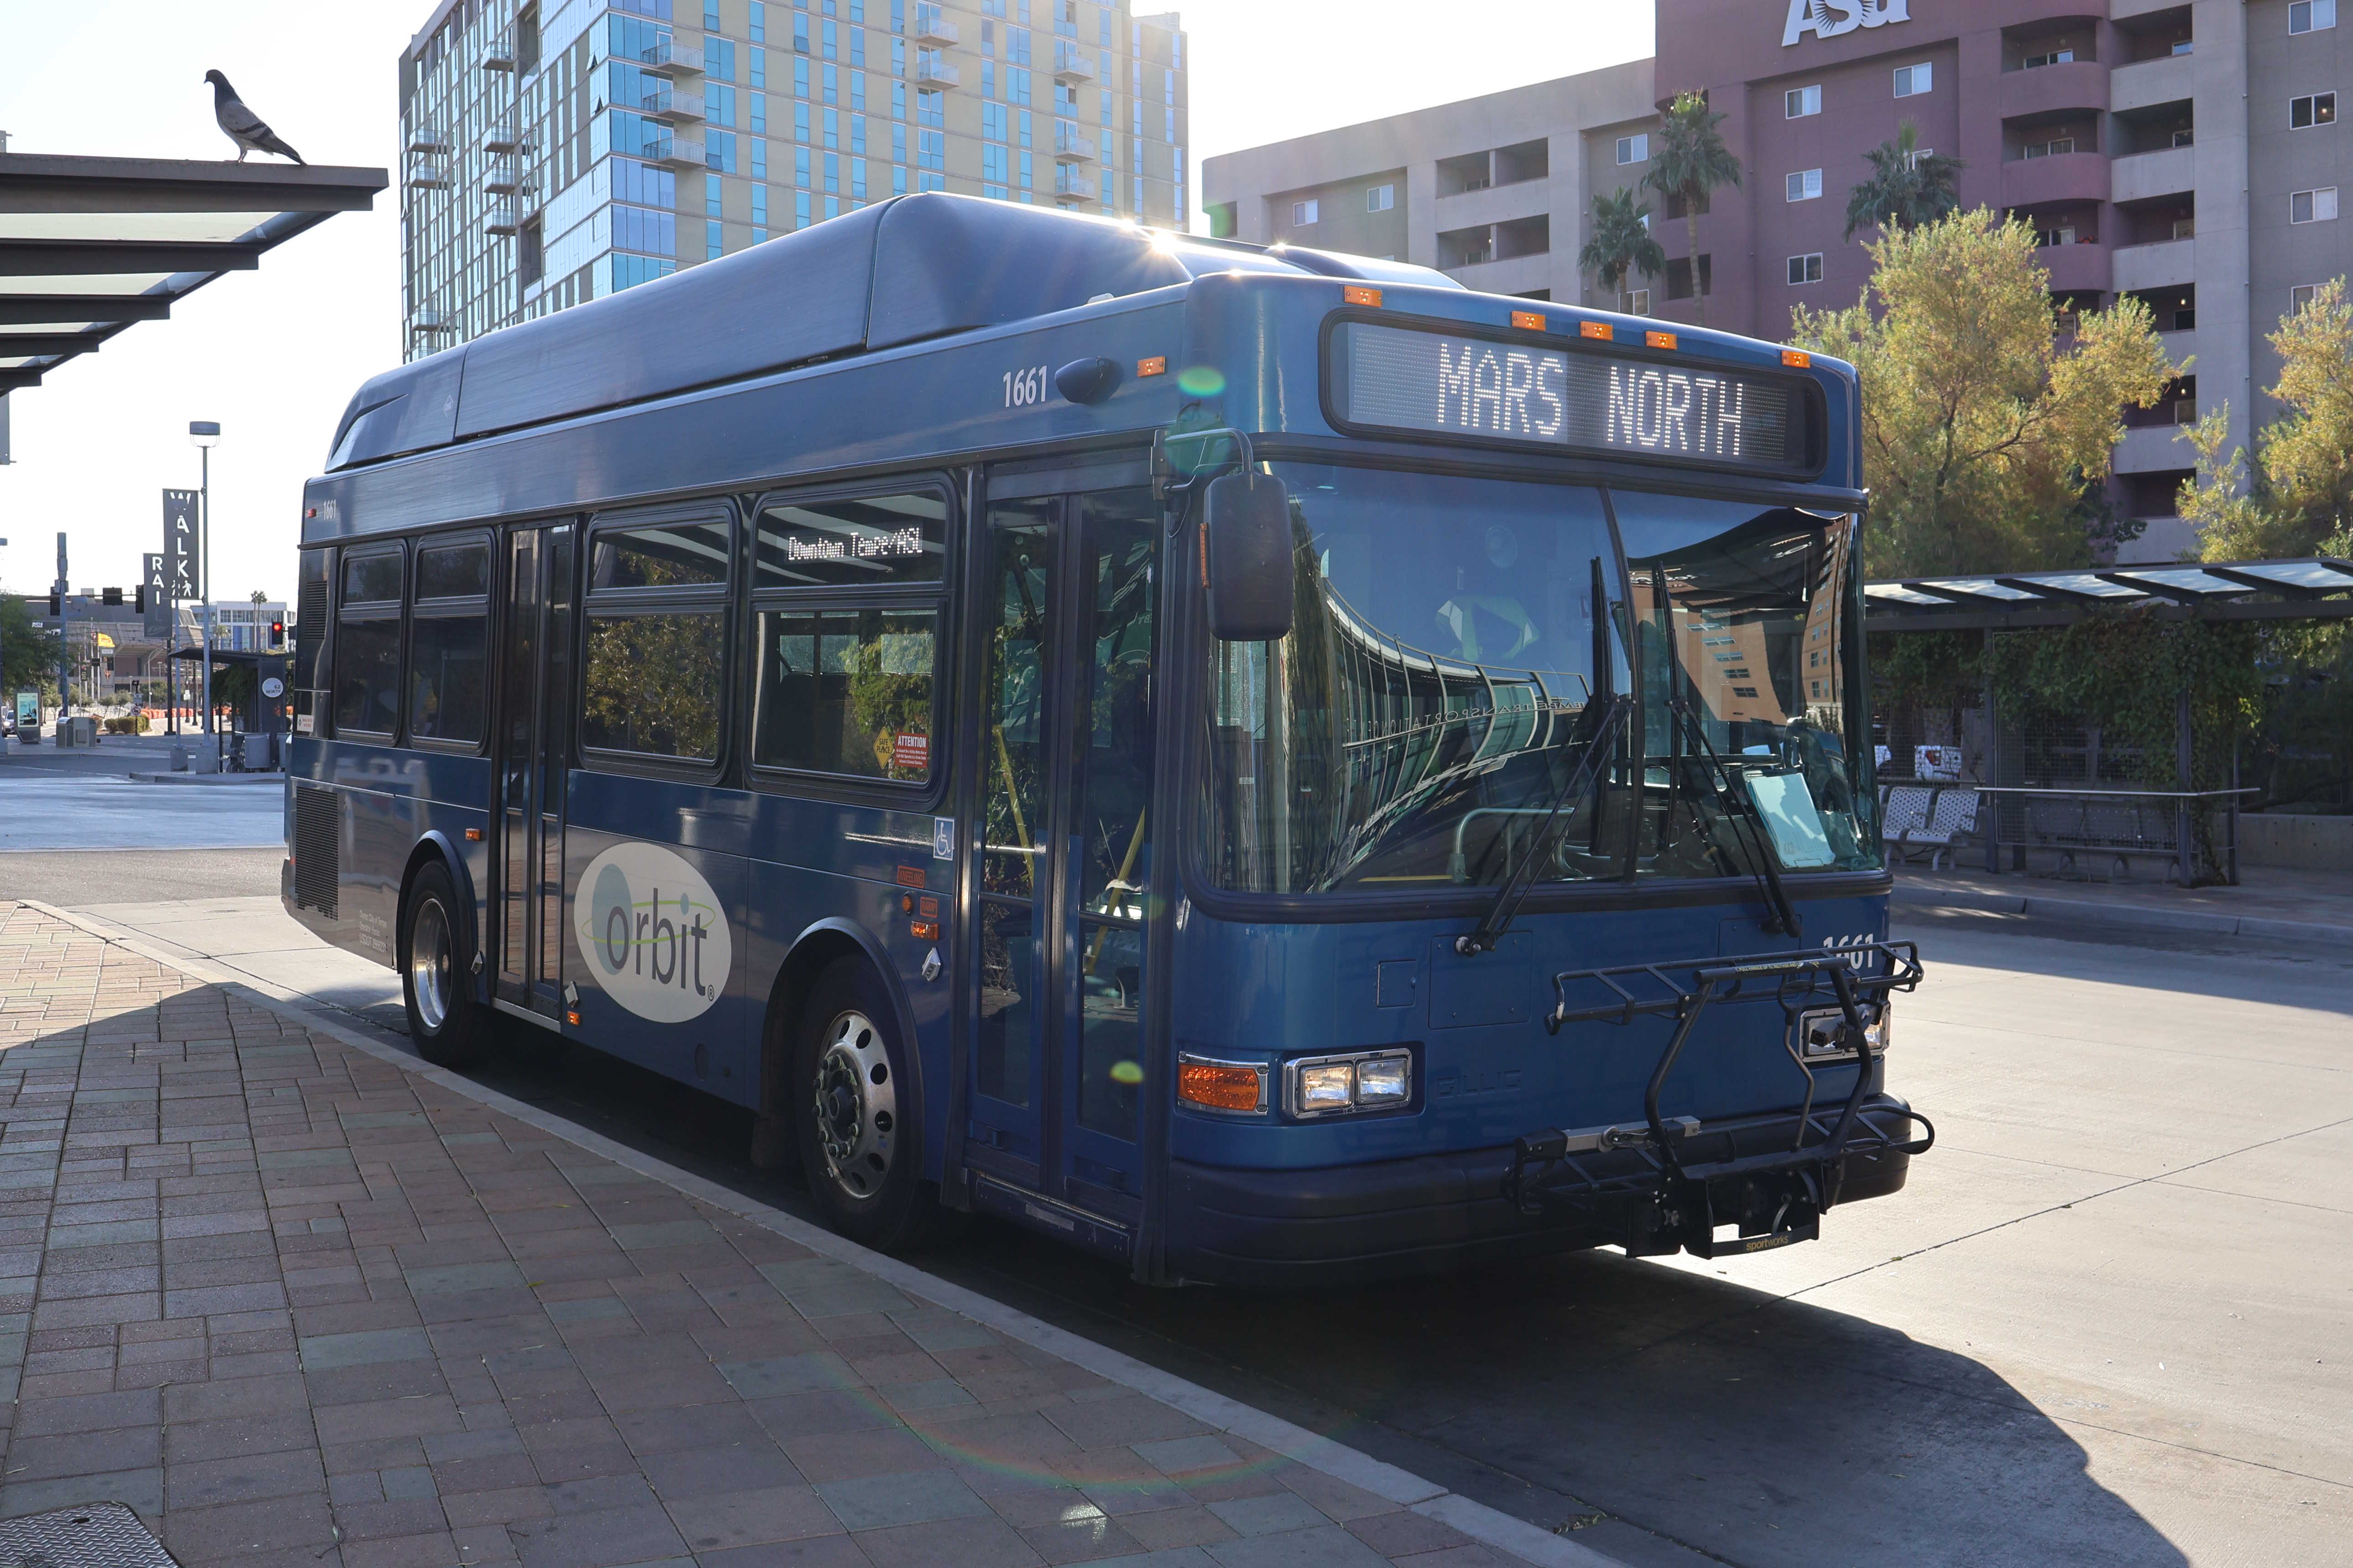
(556,151)
(2186,154)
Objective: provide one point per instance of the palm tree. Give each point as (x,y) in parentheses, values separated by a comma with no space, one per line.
(1621,243)
(1906,188)
(1690,161)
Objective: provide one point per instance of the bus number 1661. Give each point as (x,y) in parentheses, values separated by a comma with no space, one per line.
(1025,387)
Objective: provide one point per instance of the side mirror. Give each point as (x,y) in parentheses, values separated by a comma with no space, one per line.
(1248,562)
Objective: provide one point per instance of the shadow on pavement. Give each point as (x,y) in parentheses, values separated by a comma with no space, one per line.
(1753,1429)
(2319,973)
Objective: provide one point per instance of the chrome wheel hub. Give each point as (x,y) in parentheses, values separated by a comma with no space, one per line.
(429,965)
(856,1106)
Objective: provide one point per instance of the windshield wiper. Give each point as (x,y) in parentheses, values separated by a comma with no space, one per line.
(1751,825)
(1604,716)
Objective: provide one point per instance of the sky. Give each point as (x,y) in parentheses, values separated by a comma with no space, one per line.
(274,354)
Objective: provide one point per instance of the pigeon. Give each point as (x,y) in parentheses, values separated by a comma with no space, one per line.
(242,125)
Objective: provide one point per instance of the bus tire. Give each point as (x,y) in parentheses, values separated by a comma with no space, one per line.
(862,1154)
(449,1027)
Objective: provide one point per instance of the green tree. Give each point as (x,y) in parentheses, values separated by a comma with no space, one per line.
(29,654)
(1688,161)
(2300,501)
(1621,243)
(1983,438)
(1904,190)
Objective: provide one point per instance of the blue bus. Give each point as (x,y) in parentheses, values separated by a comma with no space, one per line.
(1262,763)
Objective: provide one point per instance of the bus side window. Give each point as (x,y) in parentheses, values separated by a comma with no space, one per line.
(367,644)
(654,677)
(448,667)
(309,635)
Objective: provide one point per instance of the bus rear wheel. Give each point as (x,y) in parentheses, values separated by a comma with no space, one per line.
(446,1024)
(859,1145)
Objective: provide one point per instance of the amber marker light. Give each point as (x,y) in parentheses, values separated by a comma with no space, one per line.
(1235,1088)
(1357,294)
(1595,330)
(572,1019)
(473,836)
(1528,321)
(1797,359)
(1660,340)
(923,931)
(1156,365)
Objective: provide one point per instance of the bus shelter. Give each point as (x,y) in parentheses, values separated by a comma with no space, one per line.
(1963,783)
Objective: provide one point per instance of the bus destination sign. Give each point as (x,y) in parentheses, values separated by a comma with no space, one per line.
(1588,402)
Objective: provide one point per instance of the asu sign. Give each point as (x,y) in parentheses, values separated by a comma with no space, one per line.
(1833,19)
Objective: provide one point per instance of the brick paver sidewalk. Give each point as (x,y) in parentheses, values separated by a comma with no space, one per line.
(298,1306)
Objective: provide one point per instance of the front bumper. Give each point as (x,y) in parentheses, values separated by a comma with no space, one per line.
(1342,1225)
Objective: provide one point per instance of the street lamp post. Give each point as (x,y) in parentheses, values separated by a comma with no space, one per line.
(205,434)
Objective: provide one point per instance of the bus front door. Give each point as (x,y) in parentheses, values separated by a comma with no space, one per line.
(533,740)
(1069,605)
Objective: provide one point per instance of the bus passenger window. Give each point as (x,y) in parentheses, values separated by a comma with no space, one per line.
(847,691)
(673,555)
(367,645)
(448,671)
(653,683)
(851,542)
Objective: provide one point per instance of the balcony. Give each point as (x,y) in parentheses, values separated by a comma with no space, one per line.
(2165,264)
(672,106)
(664,57)
(505,177)
(502,218)
(932,71)
(427,138)
(2144,84)
(931,27)
(1071,187)
(499,54)
(2168,172)
(2154,449)
(2071,178)
(1072,145)
(2178,346)
(2049,91)
(426,174)
(1070,67)
(501,137)
(674,151)
(425,322)
(2082,268)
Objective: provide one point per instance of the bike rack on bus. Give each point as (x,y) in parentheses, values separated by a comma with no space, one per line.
(1551,1166)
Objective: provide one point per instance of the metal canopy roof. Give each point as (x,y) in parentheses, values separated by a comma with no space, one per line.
(89,246)
(2317,587)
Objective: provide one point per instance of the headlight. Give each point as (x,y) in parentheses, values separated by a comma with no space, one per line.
(1334,1086)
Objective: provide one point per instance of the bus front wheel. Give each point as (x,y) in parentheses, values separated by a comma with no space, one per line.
(444,1020)
(859,1146)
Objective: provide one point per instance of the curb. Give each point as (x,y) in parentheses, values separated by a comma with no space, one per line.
(207,778)
(2084,912)
(1488,1525)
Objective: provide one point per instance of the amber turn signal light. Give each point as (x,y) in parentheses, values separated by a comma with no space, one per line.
(1796,359)
(1221,1086)
(1357,294)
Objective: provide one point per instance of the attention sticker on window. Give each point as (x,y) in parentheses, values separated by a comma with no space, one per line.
(1431,383)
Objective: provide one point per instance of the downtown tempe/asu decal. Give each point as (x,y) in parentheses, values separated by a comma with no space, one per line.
(652,932)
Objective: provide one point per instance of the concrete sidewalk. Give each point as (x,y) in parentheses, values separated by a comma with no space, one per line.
(301,1300)
(2269,904)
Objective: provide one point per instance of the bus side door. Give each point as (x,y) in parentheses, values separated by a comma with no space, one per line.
(1068,612)
(534,731)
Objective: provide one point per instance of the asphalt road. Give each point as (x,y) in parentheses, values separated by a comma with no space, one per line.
(2105,1324)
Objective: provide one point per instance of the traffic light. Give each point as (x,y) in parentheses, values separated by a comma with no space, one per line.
(140,603)
(57,603)
(111,596)
(278,634)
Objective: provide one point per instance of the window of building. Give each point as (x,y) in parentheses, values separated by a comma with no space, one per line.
(1804,186)
(1801,102)
(1806,268)
(2058,57)
(2060,233)
(1634,149)
(367,644)
(1380,198)
(2313,207)
(1304,213)
(1913,81)
(2311,16)
(448,668)
(1635,301)
(2317,108)
(2300,295)
(2058,146)
(1678,276)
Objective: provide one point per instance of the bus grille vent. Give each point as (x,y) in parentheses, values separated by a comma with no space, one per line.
(317,864)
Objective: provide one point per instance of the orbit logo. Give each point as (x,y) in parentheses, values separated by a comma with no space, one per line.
(652,932)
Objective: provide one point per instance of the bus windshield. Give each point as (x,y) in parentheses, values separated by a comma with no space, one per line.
(1456,644)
